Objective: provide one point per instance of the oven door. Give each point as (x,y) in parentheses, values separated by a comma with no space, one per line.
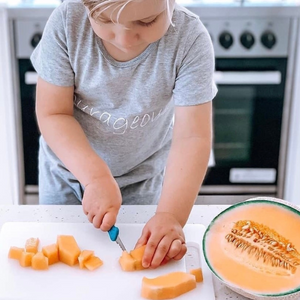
(247,117)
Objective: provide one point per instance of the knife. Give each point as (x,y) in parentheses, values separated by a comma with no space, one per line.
(114,236)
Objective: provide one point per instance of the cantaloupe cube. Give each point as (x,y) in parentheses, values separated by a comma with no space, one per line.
(39,261)
(198,274)
(84,256)
(15,252)
(26,258)
(167,286)
(93,263)
(132,261)
(51,251)
(68,250)
(32,245)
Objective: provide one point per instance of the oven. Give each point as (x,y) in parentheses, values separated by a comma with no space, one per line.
(251,110)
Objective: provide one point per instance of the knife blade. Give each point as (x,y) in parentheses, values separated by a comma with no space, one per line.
(114,236)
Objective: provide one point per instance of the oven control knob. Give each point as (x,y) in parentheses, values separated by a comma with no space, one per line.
(226,39)
(268,39)
(36,39)
(247,39)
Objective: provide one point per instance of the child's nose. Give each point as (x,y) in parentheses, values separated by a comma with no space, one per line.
(126,37)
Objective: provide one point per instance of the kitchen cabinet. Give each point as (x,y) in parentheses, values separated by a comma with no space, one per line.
(8,157)
(292,187)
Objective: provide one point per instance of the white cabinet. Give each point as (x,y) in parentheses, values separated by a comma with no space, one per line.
(292,182)
(9,179)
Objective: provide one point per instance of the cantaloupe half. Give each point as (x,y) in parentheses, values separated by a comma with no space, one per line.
(68,250)
(132,261)
(167,286)
(253,247)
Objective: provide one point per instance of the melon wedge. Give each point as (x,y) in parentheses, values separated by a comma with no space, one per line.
(93,263)
(51,251)
(132,261)
(39,261)
(68,249)
(167,286)
(84,256)
(15,252)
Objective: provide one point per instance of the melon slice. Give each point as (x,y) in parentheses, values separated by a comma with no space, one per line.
(15,252)
(26,258)
(32,245)
(132,261)
(51,252)
(39,261)
(84,256)
(93,263)
(68,249)
(167,286)
(197,273)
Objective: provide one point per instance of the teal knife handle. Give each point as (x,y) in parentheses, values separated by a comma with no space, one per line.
(113,233)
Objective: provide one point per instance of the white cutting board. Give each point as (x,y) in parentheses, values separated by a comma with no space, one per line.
(109,282)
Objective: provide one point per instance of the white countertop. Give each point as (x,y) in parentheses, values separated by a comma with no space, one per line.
(201,214)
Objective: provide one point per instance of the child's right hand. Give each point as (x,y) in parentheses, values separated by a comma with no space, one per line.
(101,202)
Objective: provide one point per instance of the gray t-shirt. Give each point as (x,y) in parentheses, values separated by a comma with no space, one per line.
(125,108)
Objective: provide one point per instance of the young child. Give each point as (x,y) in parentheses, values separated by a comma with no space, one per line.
(112,75)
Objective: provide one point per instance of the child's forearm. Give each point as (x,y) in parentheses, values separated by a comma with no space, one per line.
(67,140)
(186,168)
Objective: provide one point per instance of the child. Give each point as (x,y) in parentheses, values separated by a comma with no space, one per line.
(112,74)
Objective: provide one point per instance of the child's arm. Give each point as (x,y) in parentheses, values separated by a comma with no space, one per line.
(64,135)
(186,168)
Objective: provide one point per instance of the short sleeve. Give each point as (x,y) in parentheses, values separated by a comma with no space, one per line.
(50,58)
(195,77)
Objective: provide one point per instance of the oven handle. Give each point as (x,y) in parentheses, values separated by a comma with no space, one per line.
(31,78)
(247,77)
(240,78)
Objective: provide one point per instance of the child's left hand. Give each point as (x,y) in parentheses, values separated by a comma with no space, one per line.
(165,240)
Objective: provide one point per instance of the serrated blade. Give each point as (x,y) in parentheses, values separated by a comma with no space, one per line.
(119,242)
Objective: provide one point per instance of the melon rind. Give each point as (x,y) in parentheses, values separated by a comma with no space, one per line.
(288,295)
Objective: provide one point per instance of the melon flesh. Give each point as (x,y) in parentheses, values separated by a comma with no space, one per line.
(93,263)
(26,258)
(39,261)
(51,252)
(31,245)
(167,286)
(132,261)
(255,246)
(68,249)
(84,256)
(197,273)
(15,252)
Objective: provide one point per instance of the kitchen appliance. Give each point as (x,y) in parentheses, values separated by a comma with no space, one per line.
(254,63)
(62,282)
(254,49)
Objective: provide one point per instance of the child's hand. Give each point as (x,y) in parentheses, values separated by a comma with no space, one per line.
(101,202)
(164,238)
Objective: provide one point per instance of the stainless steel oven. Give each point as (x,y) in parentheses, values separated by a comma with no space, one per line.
(254,66)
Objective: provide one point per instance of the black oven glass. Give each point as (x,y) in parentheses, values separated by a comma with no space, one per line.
(247,119)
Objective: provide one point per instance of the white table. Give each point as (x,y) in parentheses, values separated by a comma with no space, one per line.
(202,214)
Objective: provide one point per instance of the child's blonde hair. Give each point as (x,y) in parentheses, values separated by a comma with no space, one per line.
(97,7)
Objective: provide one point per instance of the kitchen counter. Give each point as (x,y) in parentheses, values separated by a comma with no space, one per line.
(202,214)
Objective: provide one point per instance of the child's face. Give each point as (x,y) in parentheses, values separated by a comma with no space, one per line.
(140,24)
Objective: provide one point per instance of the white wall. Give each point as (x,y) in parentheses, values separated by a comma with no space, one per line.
(292,183)
(8,147)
